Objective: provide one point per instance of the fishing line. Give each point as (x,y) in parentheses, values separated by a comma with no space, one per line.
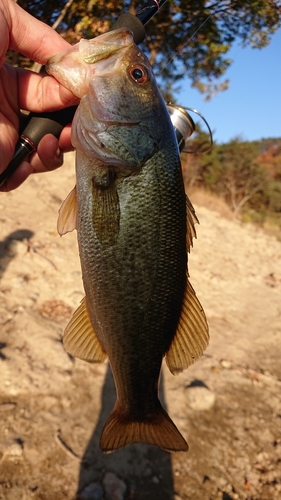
(188,40)
(183,124)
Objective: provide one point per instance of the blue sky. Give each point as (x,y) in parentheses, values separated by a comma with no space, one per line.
(251,107)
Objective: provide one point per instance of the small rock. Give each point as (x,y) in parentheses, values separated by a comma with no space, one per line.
(15,450)
(54,309)
(200,398)
(93,491)
(33,296)
(7,406)
(114,487)
(262,457)
(226,364)
(222,482)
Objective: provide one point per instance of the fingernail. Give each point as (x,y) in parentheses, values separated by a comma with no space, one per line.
(58,152)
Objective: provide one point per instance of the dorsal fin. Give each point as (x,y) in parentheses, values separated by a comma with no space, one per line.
(192,335)
(80,339)
(191,220)
(67,220)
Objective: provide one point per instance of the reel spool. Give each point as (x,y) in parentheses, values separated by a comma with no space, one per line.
(184,126)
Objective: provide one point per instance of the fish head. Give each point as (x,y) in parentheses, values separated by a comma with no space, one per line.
(75,67)
(121,114)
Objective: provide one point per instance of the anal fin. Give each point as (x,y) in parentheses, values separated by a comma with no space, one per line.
(80,339)
(192,334)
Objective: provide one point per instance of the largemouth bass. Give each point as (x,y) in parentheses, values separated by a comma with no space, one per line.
(135,227)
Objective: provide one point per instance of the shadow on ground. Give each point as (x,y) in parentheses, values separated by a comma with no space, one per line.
(7,251)
(147,469)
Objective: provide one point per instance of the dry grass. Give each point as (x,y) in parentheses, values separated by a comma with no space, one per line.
(209,200)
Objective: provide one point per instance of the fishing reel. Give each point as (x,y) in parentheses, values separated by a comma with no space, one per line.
(185,127)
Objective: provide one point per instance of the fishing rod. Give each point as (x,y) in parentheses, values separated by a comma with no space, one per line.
(40,124)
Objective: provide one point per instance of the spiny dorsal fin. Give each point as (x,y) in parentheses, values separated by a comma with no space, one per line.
(191,219)
(80,339)
(157,429)
(192,335)
(67,220)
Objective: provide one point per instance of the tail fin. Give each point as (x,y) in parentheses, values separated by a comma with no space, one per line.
(158,429)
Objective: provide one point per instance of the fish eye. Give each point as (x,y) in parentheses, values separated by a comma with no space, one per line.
(139,74)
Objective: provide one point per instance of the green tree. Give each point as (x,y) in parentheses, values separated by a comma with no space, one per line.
(231,170)
(185,38)
(270,157)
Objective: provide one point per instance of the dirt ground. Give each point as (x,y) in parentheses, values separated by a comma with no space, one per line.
(53,407)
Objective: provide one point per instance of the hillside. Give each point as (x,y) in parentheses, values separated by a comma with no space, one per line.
(52,407)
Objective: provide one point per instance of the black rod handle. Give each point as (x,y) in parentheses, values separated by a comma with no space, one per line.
(39,124)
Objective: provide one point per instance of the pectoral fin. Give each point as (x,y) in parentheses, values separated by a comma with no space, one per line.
(80,339)
(106,213)
(67,220)
(192,335)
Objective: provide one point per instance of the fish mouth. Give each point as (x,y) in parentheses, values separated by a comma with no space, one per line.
(75,67)
(106,45)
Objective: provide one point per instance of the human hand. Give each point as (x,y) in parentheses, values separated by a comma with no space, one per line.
(21,89)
